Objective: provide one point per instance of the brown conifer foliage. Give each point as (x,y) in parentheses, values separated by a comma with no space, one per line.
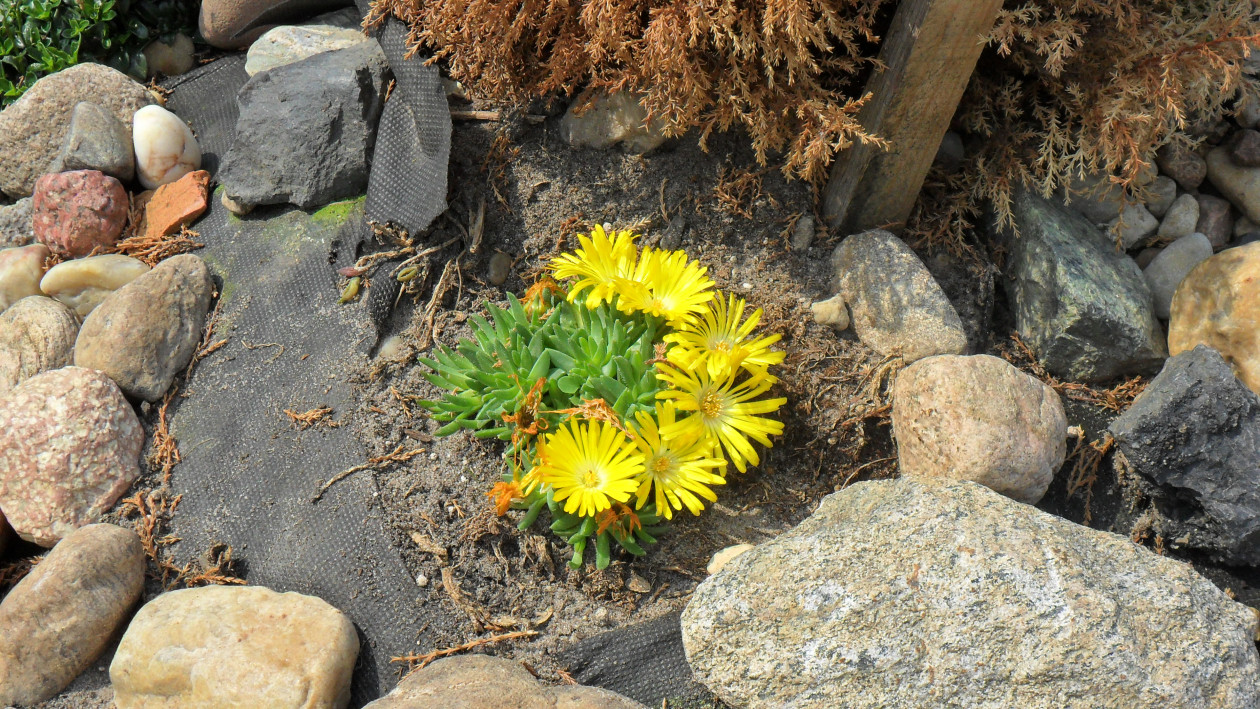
(1066,87)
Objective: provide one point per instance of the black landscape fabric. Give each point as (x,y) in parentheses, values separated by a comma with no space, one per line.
(249,476)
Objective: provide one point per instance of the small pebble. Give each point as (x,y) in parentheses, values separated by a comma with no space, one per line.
(832,311)
(500,268)
(422,580)
(638,584)
(803,233)
(601,616)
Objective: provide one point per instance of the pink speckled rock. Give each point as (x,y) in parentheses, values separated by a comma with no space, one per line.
(69,447)
(74,212)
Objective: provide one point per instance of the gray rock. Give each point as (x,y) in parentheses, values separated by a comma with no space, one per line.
(59,619)
(1216,220)
(347,18)
(903,593)
(33,128)
(1244,148)
(1181,218)
(144,333)
(802,233)
(36,335)
(896,306)
(673,237)
(1194,433)
(96,140)
(1096,198)
(1145,256)
(500,268)
(1167,270)
(287,44)
(16,224)
(968,284)
(1134,226)
(1161,193)
(1247,115)
(978,418)
(1248,238)
(1083,308)
(306,130)
(1241,185)
(602,121)
(485,682)
(1179,162)
(1243,225)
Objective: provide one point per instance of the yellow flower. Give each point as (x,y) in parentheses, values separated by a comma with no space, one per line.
(598,264)
(590,465)
(667,285)
(678,470)
(724,411)
(721,344)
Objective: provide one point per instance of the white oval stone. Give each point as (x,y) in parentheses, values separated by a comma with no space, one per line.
(20,271)
(166,149)
(83,283)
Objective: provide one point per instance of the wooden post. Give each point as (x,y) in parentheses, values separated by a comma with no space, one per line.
(930,53)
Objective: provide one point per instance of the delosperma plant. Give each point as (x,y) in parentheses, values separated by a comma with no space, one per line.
(623,398)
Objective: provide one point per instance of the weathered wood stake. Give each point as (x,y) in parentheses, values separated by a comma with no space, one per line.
(930,53)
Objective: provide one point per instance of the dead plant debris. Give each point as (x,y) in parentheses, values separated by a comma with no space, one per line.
(379,462)
(417,662)
(310,418)
(1117,398)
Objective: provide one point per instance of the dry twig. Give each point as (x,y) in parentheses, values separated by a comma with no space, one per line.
(380,462)
(421,661)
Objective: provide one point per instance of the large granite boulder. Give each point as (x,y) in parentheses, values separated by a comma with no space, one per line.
(1085,309)
(1194,433)
(905,593)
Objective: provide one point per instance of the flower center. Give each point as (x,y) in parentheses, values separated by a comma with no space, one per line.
(722,346)
(590,478)
(711,404)
(662,465)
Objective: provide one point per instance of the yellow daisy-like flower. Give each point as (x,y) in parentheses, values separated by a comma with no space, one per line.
(589,465)
(680,471)
(724,411)
(667,285)
(721,344)
(598,264)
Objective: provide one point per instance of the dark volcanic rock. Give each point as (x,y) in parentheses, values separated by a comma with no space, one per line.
(306,130)
(1084,308)
(1195,433)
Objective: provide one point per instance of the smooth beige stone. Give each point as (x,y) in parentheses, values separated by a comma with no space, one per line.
(1218,305)
(722,557)
(20,271)
(83,283)
(831,311)
(63,614)
(978,418)
(486,682)
(1240,185)
(235,646)
(166,149)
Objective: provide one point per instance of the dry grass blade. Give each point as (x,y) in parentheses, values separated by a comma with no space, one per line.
(421,661)
(380,462)
(163,448)
(312,417)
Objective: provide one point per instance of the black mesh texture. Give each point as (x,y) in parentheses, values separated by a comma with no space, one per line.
(645,662)
(247,476)
(407,186)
